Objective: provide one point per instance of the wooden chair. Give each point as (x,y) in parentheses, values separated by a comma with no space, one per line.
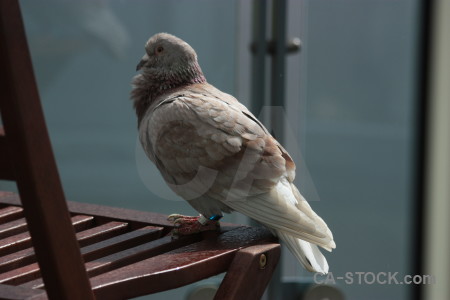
(53,249)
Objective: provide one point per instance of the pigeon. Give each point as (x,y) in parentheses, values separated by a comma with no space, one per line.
(213,152)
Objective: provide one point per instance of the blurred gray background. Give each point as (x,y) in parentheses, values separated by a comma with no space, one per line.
(350,107)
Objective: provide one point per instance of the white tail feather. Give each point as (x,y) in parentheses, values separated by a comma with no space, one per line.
(308,254)
(287,214)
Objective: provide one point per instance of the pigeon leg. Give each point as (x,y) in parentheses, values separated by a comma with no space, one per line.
(186,225)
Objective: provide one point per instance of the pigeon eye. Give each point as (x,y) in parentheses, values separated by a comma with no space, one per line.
(159,50)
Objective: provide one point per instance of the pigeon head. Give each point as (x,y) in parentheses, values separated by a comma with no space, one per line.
(165,51)
(169,62)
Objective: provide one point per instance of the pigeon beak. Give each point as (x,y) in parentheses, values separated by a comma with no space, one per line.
(143,61)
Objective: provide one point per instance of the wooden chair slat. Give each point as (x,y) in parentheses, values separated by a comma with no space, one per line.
(99,233)
(136,254)
(23,240)
(81,222)
(115,244)
(116,213)
(27,256)
(17,259)
(20,275)
(13,227)
(10,213)
(126,215)
(15,243)
(121,242)
(31,272)
(178,267)
(128,256)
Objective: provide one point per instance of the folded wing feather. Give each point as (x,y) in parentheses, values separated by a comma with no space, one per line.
(255,173)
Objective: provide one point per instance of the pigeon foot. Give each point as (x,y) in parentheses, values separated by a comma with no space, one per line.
(187,225)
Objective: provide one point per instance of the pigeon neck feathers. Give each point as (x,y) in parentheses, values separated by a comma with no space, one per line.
(157,81)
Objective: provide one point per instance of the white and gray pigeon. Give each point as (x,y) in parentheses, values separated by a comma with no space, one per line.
(213,152)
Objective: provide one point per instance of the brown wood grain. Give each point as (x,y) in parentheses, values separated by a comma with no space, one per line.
(34,165)
(121,243)
(17,259)
(246,279)
(26,256)
(127,256)
(10,213)
(100,233)
(6,166)
(28,272)
(161,263)
(87,237)
(116,213)
(13,227)
(118,254)
(178,267)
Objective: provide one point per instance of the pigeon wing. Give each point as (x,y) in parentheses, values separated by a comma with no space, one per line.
(203,127)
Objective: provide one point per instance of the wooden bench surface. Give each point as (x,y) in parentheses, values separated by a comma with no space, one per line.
(134,250)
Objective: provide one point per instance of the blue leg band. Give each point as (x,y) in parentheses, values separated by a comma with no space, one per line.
(215,217)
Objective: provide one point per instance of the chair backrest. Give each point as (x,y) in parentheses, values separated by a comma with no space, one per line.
(26,157)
